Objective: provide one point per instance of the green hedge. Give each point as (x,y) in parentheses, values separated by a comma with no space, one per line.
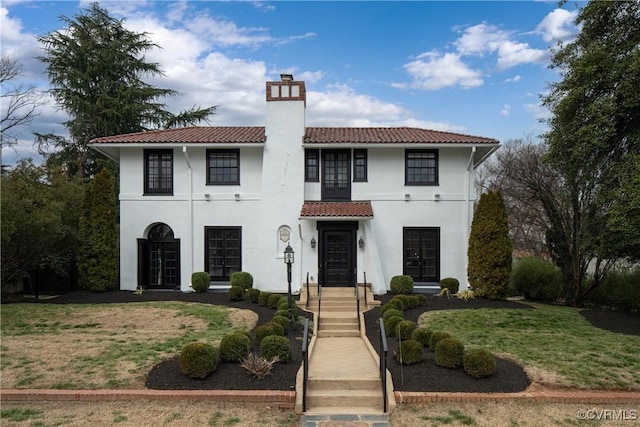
(536,279)
(620,289)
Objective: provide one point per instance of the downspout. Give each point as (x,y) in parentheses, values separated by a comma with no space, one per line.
(467,212)
(190,175)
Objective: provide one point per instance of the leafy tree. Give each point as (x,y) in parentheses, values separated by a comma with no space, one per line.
(594,136)
(98,259)
(96,67)
(39,220)
(490,249)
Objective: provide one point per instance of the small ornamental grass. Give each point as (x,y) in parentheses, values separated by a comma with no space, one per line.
(436,337)
(479,363)
(409,352)
(234,347)
(257,366)
(449,353)
(199,360)
(276,346)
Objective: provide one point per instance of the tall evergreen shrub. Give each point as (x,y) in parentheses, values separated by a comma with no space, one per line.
(490,248)
(98,258)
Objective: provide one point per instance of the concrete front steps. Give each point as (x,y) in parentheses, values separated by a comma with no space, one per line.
(343,367)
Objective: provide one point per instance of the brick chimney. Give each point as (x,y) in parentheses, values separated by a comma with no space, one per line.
(286,89)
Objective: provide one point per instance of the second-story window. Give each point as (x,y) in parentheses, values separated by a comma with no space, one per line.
(421,167)
(158,172)
(223,167)
(311,162)
(360,165)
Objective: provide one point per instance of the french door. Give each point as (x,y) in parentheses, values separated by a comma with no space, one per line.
(336,175)
(421,247)
(337,254)
(159,259)
(223,252)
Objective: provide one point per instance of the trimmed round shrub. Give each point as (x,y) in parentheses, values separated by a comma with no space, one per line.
(409,352)
(200,281)
(422,335)
(275,345)
(436,337)
(449,353)
(263,299)
(283,303)
(277,328)
(234,347)
(422,299)
(392,312)
(263,331)
(397,303)
(274,299)
(242,279)
(405,329)
(285,312)
(412,302)
(235,293)
(479,363)
(404,298)
(199,360)
(390,325)
(281,320)
(252,295)
(450,283)
(401,284)
(385,307)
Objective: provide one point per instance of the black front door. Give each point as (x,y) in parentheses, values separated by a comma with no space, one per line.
(422,253)
(337,254)
(159,259)
(223,252)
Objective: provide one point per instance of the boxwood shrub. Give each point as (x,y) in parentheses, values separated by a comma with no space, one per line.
(275,345)
(449,353)
(200,281)
(274,299)
(390,324)
(199,360)
(450,283)
(252,295)
(409,352)
(422,335)
(242,279)
(479,362)
(436,337)
(402,284)
(392,312)
(235,293)
(263,299)
(405,329)
(262,331)
(234,347)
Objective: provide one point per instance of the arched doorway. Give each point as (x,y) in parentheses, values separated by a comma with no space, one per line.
(159,259)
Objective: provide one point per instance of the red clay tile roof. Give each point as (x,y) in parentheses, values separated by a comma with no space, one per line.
(337,209)
(194,134)
(313,135)
(316,135)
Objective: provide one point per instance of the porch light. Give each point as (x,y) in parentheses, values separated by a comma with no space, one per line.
(288,255)
(313,243)
(361,243)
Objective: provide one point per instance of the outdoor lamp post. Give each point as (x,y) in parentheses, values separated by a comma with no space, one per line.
(288,259)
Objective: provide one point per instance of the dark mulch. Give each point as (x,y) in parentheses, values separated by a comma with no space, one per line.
(425,376)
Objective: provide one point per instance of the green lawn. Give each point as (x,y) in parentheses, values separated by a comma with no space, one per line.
(555,343)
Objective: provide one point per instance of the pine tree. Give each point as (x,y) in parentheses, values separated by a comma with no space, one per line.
(490,248)
(98,260)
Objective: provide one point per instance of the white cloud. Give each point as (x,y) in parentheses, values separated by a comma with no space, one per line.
(513,79)
(512,53)
(539,111)
(506,110)
(433,71)
(558,25)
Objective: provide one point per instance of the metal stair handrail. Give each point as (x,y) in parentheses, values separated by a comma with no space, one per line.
(384,350)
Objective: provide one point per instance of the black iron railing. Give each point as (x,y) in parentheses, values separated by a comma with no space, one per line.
(384,350)
(305,363)
(319,299)
(308,294)
(358,305)
(366,304)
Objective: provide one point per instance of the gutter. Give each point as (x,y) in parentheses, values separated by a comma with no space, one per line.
(190,175)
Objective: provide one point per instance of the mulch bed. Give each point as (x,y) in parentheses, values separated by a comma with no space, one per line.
(425,376)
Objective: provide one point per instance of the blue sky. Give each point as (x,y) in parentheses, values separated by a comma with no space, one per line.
(473,67)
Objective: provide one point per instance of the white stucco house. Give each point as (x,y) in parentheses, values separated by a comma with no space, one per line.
(349,201)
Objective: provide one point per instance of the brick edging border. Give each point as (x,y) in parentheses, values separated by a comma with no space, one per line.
(555,396)
(286,399)
(280,399)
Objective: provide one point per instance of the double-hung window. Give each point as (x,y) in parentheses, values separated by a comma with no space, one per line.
(359,165)
(421,167)
(158,172)
(223,167)
(311,165)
